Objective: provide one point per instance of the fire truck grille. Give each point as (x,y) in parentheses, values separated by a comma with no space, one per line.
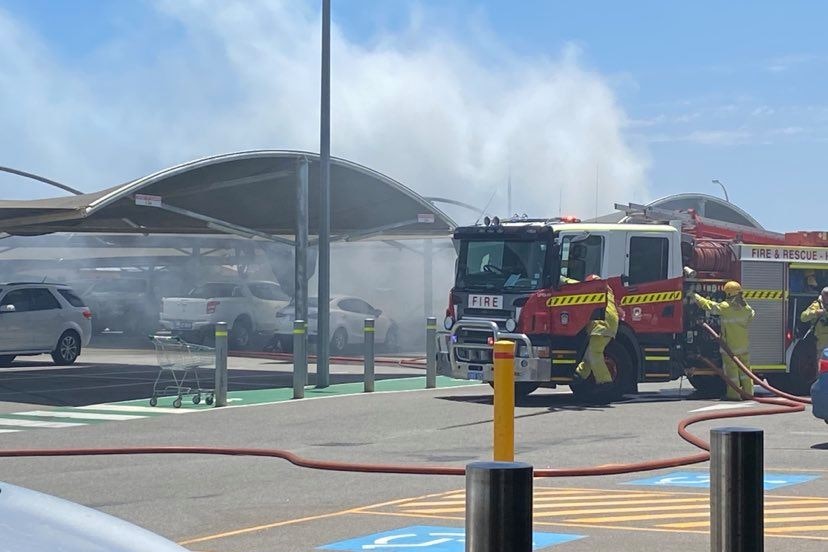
(483,356)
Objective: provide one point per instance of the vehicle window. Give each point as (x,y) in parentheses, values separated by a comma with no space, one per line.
(364,307)
(19,298)
(237,292)
(42,299)
(504,264)
(349,305)
(270,292)
(208,291)
(581,258)
(71,298)
(649,258)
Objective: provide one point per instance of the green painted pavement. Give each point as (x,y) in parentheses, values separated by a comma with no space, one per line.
(283,394)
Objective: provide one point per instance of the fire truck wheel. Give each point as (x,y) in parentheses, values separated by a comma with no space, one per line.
(621,368)
(708,386)
(803,370)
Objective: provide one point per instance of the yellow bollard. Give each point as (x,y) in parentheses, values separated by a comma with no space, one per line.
(504,401)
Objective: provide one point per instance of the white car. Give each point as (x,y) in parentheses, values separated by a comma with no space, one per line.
(347,319)
(41,318)
(247,307)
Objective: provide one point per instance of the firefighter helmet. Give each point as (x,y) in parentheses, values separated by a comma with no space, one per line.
(592,277)
(732,288)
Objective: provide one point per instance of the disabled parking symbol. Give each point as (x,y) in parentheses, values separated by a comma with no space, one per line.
(430,539)
(701,480)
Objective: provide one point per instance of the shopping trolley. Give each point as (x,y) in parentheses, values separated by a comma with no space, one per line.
(180,361)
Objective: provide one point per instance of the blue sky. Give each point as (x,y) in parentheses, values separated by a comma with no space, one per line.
(694,91)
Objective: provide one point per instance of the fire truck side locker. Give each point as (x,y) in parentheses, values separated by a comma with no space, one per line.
(765,284)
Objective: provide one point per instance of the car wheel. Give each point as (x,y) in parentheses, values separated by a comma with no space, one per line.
(339,341)
(68,349)
(6,360)
(392,340)
(240,334)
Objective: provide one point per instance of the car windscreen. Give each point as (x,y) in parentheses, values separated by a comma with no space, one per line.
(208,291)
(71,298)
(120,286)
(501,264)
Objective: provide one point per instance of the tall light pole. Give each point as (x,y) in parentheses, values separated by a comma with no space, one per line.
(323,336)
(715,181)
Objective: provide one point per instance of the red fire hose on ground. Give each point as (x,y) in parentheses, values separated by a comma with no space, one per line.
(783,403)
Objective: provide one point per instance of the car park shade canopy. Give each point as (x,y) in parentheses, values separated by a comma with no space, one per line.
(252,194)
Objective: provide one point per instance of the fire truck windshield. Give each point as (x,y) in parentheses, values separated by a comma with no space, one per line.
(501,264)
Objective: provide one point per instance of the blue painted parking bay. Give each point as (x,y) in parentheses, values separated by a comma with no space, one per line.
(701,480)
(431,539)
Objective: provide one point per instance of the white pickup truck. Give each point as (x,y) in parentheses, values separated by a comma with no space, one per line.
(247,307)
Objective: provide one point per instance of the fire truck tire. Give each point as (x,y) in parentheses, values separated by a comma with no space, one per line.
(803,370)
(522,388)
(708,386)
(621,367)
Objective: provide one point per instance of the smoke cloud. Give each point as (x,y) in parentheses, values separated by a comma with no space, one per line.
(446,118)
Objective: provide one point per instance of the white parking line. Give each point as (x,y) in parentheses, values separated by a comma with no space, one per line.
(126,408)
(36,423)
(81,415)
(726,406)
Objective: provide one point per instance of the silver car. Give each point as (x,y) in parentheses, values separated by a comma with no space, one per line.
(42,318)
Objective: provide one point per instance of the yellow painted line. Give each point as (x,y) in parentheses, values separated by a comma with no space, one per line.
(796,510)
(244,530)
(267,526)
(623,502)
(797,529)
(686,525)
(795,519)
(656,358)
(584,525)
(641,517)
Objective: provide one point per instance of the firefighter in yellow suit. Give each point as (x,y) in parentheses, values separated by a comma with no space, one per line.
(735,315)
(601,333)
(816,315)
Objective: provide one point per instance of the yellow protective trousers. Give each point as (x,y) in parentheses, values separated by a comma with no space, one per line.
(735,375)
(594,362)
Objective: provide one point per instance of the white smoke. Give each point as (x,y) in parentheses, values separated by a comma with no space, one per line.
(444,117)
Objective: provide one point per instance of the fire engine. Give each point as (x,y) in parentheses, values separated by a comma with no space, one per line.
(525,280)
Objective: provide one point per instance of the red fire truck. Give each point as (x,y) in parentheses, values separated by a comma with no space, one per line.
(511,283)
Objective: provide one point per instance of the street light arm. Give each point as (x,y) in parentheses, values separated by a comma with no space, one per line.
(716,181)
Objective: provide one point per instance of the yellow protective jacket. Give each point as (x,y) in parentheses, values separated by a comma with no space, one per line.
(820,321)
(607,327)
(735,321)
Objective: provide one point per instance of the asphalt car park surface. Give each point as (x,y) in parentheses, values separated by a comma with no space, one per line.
(221,503)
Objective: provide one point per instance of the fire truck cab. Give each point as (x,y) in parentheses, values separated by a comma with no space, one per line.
(525,280)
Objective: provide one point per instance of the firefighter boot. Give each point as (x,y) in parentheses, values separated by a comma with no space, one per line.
(732,372)
(593,362)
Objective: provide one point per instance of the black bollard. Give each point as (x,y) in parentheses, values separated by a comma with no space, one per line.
(498,507)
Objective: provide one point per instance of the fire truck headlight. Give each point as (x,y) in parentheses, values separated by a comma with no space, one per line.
(511,325)
(448,322)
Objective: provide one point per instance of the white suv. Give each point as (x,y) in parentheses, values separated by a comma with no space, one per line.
(39,318)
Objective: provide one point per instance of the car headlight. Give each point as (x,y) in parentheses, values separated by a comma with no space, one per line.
(448,322)
(511,325)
